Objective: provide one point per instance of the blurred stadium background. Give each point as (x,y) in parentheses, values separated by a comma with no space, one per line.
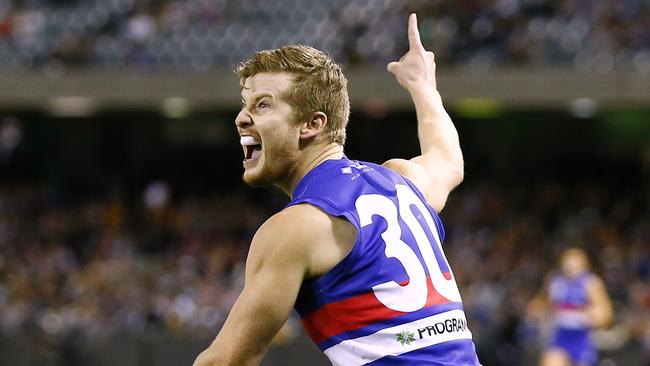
(123,223)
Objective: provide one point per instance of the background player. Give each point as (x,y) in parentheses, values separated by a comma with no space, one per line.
(357,251)
(579,303)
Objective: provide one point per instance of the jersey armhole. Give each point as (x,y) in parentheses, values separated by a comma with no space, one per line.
(436,219)
(341,268)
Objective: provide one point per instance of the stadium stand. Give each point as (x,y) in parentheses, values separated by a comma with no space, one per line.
(585,35)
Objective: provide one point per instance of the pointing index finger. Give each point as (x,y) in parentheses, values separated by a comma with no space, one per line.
(414,33)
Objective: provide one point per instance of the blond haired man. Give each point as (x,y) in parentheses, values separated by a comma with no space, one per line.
(357,252)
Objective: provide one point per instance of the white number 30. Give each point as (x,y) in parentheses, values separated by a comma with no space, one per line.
(412,296)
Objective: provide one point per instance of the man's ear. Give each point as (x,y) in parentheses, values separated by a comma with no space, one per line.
(314,126)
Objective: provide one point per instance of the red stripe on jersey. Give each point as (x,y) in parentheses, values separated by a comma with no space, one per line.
(569,306)
(356,312)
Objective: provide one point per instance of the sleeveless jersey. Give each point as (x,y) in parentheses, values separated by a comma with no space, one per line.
(572,331)
(570,300)
(393,299)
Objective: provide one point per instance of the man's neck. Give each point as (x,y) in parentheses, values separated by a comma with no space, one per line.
(330,152)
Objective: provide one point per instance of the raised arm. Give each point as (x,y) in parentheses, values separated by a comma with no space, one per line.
(439,168)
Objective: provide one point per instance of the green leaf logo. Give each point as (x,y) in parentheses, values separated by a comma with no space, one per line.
(405,338)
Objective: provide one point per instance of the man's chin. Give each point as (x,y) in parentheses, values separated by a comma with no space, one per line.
(255,180)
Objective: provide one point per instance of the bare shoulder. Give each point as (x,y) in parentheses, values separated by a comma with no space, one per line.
(399,165)
(597,290)
(422,179)
(293,223)
(413,171)
(306,234)
(596,283)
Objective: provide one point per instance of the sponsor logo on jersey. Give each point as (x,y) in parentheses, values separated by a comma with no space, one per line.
(447,326)
(405,337)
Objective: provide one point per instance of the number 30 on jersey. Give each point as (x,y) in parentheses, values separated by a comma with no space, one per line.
(412,296)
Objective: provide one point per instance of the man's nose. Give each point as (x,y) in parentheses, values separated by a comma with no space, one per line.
(243,119)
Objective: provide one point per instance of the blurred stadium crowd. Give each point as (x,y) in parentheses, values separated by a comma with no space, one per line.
(587,35)
(111,266)
(102,268)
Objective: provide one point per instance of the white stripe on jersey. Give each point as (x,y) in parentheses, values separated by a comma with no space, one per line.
(571,319)
(394,341)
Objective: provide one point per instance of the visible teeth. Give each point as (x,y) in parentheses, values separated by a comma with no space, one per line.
(248,140)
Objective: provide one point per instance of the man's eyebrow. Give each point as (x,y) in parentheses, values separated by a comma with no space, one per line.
(258,97)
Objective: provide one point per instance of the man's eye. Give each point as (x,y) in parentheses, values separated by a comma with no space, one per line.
(262,105)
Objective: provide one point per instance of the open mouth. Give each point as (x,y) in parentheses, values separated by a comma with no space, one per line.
(252,148)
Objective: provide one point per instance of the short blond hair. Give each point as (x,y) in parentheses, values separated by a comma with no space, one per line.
(318,84)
